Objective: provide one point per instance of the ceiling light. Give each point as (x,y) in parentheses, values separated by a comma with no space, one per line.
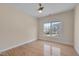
(40,9)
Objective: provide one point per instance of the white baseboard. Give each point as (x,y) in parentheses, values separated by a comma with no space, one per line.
(17,45)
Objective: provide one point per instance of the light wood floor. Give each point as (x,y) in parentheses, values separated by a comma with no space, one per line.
(41,48)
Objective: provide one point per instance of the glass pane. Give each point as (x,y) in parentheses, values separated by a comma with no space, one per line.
(47,28)
(55,28)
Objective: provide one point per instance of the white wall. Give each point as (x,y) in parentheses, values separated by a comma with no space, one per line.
(67,19)
(16,27)
(76,38)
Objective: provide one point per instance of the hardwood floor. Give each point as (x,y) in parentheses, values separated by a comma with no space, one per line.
(41,48)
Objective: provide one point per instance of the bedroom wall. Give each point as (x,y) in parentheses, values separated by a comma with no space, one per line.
(16,27)
(76,32)
(67,19)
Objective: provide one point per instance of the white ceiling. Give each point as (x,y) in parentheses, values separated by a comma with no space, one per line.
(49,8)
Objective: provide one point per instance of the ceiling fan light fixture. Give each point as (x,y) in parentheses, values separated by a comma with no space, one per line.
(40,8)
(40,11)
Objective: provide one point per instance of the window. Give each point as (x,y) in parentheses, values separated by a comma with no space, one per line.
(47,28)
(51,28)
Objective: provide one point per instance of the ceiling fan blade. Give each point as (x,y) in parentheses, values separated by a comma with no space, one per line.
(41,8)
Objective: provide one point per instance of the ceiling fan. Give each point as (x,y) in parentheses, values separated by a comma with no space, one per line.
(40,9)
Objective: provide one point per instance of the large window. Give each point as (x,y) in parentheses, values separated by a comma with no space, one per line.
(51,28)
